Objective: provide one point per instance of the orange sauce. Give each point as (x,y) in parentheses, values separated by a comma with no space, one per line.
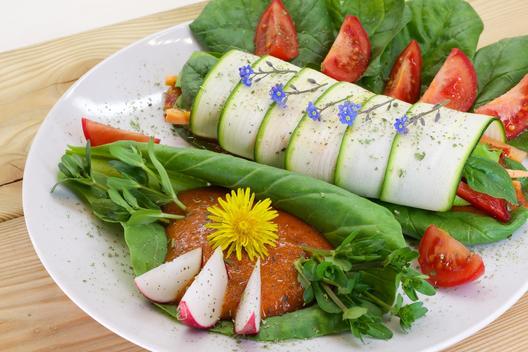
(281,292)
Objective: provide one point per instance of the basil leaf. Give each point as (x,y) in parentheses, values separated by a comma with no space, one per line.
(468,228)
(193,75)
(500,66)
(227,24)
(489,177)
(484,152)
(521,141)
(147,245)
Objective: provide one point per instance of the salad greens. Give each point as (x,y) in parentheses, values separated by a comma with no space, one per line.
(500,66)
(228,24)
(193,75)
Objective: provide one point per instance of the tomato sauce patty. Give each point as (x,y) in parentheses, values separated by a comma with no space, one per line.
(281,292)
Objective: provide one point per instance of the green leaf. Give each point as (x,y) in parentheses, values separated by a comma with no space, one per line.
(227,24)
(515,165)
(166,184)
(500,66)
(401,258)
(468,228)
(147,245)
(193,75)
(132,172)
(410,313)
(521,141)
(323,300)
(489,177)
(126,153)
(438,26)
(353,313)
(147,216)
(370,13)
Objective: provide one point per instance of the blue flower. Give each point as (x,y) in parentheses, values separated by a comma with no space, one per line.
(245,74)
(348,112)
(400,125)
(278,95)
(313,112)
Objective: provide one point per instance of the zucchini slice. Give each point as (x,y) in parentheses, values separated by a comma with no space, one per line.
(315,144)
(366,146)
(217,86)
(280,122)
(425,164)
(246,106)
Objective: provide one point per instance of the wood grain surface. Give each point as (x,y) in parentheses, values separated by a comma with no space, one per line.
(34,313)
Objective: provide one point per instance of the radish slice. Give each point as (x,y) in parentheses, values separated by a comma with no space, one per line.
(164,283)
(201,305)
(247,319)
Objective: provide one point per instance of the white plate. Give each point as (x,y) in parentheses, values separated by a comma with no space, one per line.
(90,263)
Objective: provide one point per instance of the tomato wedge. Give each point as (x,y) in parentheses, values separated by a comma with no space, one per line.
(447,262)
(495,207)
(405,79)
(99,134)
(456,81)
(349,56)
(276,34)
(511,108)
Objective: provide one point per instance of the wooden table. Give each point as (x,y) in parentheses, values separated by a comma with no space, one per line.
(34,313)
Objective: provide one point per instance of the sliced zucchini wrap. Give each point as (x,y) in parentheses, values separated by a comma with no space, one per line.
(315,143)
(280,121)
(247,104)
(366,146)
(215,90)
(427,159)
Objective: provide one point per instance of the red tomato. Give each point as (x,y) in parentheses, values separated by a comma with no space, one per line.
(406,76)
(99,134)
(456,81)
(495,207)
(447,261)
(511,108)
(276,34)
(349,56)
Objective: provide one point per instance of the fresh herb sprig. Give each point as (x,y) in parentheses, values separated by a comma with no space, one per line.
(341,281)
(133,191)
(248,76)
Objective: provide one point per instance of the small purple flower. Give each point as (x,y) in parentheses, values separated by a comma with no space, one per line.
(313,112)
(401,125)
(278,95)
(245,74)
(348,112)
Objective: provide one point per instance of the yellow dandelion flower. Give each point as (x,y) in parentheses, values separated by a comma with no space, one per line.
(240,224)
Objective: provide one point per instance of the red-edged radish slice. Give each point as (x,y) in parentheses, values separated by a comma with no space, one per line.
(164,283)
(247,318)
(201,305)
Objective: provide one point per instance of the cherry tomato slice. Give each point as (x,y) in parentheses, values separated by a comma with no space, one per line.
(456,82)
(495,207)
(511,108)
(405,79)
(447,261)
(99,134)
(349,56)
(276,34)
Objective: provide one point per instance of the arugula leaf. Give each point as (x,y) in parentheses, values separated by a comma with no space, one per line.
(438,26)
(147,245)
(500,66)
(228,24)
(489,177)
(468,228)
(192,77)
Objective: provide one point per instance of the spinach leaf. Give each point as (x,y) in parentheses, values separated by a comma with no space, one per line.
(468,228)
(489,177)
(521,141)
(370,13)
(438,26)
(147,245)
(500,66)
(193,75)
(227,24)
